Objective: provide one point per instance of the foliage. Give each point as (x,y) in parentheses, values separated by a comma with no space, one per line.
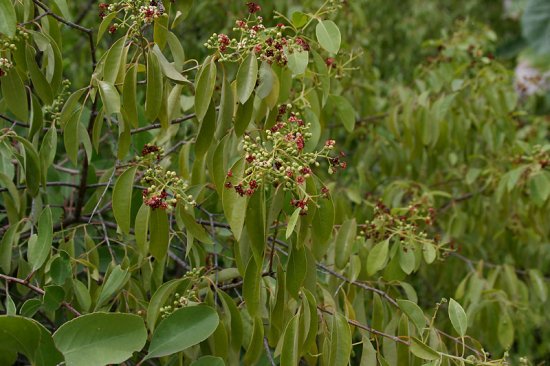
(191,183)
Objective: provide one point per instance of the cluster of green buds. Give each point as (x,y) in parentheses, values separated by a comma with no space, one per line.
(164,188)
(52,112)
(189,297)
(409,225)
(278,157)
(5,66)
(270,44)
(180,301)
(133,13)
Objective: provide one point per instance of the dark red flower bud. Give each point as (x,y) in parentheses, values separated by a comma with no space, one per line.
(253,7)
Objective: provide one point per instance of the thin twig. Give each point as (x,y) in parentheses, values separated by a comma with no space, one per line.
(268,351)
(38,290)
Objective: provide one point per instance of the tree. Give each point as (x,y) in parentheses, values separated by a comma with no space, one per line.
(271,200)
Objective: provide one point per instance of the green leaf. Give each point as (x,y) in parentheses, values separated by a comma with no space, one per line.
(328,35)
(246,77)
(40,248)
(160,297)
(53,297)
(206,132)
(296,270)
(154,90)
(160,30)
(70,106)
(159,230)
(129,97)
(208,361)
(505,330)
(110,97)
(13,91)
(292,222)
(113,61)
(458,317)
(344,243)
(299,19)
(33,171)
(122,199)
(535,24)
(8,21)
(105,25)
(251,287)
(414,313)
(193,227)
(290,351)
(297,60)
(182,329)
(100,338)
(167,68)
(423,351)
(41,86)
(112,285)
(30,307)
(30,338)
(344,111)
(407,259)
(340,341)
(71,136)
(204,87)
(377,257)
(234,205)
(538,284)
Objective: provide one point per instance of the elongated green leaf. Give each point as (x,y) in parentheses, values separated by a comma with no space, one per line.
(423,351)
(122,199)
(344,242)
(328,35)
(70,106)
(182,329)
(39,81)
(344,111)
(129,101)
(539,285)
(234,205)
(296,270)
(33,171)
(414,313)
(458,317)
(113,61)
(160,297)
(536,25)
(204,88)
(377,257)
(100,338)
(167,68)
(291,347)
(159,231)
(251,287)
(110,97)
(206,132)
(8,21)
(115,281)
(246,77)
(292,222)
(340,341)
(13,91)
(154,91)
(71,136)
(194,228)
(40,249)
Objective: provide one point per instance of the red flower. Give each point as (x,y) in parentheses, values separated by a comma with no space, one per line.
(253,7)
(330,61)
(300,179)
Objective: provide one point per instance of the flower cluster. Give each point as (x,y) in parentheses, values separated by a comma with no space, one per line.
(407,225)
(189,296)
(280,158)
(133,14)
(5,66)
(269,44)
(53,112)
(164,188)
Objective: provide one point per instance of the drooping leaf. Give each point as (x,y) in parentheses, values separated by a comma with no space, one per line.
(122,199)
(246,77)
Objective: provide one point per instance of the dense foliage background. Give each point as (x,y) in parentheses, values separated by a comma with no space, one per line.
(276,182)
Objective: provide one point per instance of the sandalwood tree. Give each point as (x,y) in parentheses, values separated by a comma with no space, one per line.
(227,183)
